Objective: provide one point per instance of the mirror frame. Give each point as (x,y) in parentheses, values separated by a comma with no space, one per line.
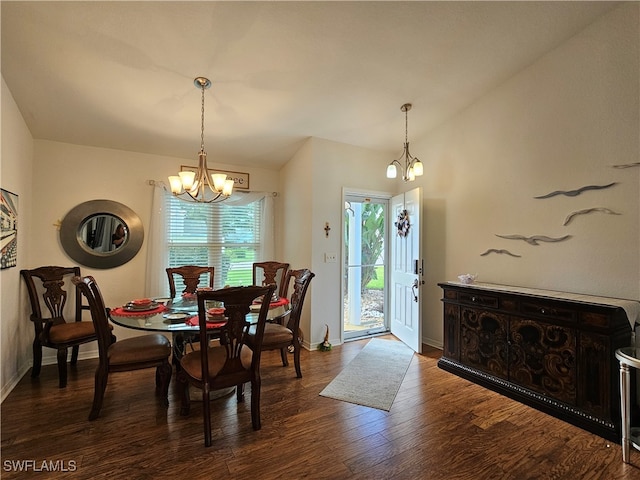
(74,246)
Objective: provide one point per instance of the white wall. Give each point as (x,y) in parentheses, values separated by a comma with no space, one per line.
(294,247)
(558,125)
(16,331)
(312,183)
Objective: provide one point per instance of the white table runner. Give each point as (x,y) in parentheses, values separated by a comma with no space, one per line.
(631,307)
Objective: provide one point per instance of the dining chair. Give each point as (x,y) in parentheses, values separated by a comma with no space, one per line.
(135,353)
(190,275)
(265,273)
(283,332)
(49,288)
(231,363)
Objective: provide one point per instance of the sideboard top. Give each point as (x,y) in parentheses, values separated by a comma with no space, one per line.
(631,307)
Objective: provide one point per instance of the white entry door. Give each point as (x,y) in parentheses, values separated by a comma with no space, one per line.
(406,268)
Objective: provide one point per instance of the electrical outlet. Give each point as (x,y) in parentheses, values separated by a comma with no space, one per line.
(330,258)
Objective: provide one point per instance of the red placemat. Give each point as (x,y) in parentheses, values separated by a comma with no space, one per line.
(280,303)
(193,321)
(121,312)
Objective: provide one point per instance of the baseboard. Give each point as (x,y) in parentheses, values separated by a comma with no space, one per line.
(53,359)
(13,381)
(432,343)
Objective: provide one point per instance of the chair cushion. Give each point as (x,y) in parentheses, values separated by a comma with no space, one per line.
(275,334)
(191,362)
(145,348)
(70,332)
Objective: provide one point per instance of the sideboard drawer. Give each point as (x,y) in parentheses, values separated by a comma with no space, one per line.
(481,300)
(451,294)
(549,311)
(594,319)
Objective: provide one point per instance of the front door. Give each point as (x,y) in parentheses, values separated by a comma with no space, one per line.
(406,268)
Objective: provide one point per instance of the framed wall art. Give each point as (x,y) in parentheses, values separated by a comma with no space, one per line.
(9,241)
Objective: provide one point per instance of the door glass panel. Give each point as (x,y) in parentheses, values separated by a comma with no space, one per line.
(364,294)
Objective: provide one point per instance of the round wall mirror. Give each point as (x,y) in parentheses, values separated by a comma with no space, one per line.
(101,234)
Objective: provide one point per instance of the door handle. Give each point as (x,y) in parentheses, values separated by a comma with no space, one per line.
(414,289)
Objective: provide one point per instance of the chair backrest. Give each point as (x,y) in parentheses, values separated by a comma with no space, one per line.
(237,302)
(45,286)
(266,273)
(190,275)
(99,314)
(301,280)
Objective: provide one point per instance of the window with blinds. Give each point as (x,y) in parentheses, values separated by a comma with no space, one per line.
(226,237)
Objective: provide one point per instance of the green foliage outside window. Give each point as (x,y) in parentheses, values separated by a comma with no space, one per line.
(372,225)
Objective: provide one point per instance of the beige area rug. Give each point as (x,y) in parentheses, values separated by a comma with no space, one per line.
(374,376)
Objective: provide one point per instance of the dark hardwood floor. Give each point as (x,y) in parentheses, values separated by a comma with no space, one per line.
(440,427)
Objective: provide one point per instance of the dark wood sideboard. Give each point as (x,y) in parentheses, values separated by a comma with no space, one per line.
(552,353)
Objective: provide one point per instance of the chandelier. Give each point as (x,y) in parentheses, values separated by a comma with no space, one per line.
(199,186)
(412,167)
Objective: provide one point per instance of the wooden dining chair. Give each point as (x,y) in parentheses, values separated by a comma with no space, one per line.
(231,363)
(190,276)
(265,273)
(49,289)
(135,353)
(283,332)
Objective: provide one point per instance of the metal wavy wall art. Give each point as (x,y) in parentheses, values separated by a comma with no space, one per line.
(499,251)
(575,193)
(535,239)
(572,215)
(627,165)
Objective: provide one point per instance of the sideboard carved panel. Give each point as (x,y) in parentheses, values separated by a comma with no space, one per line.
(484,341)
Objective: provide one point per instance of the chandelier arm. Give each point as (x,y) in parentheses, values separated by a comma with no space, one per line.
(410,158)
(191,199)
(206,178)
(208,183)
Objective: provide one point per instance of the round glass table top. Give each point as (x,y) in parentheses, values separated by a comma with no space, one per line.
(172,319)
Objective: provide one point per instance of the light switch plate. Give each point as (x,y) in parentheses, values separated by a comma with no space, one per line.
(330,258)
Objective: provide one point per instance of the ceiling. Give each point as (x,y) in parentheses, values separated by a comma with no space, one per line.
(120,74)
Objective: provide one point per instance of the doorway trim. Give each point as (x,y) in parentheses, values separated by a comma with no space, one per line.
(363,194)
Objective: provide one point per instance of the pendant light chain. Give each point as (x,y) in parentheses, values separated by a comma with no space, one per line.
(406,125)
(202,121)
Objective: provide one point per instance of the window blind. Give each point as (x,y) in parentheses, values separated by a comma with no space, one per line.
(226,237)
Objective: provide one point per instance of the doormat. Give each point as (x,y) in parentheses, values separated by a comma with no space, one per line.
(374,376)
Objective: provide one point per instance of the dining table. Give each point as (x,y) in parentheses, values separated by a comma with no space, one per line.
(179,317)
